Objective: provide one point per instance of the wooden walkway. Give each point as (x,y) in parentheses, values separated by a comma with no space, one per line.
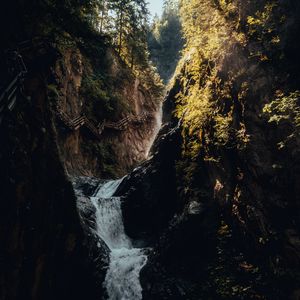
(97,129)
(8,96)
(10,92)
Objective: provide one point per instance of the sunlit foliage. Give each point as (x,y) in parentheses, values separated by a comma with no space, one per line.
(209,37)
(285,110)
(223,39)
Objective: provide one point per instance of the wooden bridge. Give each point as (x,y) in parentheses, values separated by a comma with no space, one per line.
(97,129)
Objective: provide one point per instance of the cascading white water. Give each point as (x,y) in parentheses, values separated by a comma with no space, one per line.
(122,277)
(156,128)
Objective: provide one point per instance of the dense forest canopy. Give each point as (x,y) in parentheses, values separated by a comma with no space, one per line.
(256,34)
(122,23)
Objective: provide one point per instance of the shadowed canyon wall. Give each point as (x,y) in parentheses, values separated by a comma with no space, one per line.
(227,219)
(45,253)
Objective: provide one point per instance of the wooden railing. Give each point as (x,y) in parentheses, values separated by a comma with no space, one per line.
(97,130)
(125,122)
(8,96)
(10,92)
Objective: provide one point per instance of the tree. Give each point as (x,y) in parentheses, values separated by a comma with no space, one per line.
(165,40)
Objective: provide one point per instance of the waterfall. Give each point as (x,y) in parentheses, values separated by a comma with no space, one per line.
(122,277)
(122,280)
(156,128)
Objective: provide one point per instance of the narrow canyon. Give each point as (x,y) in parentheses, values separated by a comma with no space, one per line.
(150,157)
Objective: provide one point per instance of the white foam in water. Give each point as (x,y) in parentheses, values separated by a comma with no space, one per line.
(122,278)
(108,188)
(109,223)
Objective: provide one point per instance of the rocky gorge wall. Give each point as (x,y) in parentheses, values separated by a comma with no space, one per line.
(45,252)
(226,215)
(117,151)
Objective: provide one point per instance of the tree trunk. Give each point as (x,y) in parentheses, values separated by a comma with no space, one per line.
(120,32)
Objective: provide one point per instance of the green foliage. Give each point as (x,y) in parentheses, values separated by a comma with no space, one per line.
(213,71)
(285,109)
(152,82)
(222,129)
(126,23)
(263,27)
(122,23)
(231,275)
(204,29)
(52,92)
(165,40)
(229,68)
(106,158)
(101,101)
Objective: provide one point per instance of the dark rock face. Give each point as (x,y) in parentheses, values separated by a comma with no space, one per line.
(181,231)
(150,196)
(86,187)
(44,253)
(243,241)
(223,228)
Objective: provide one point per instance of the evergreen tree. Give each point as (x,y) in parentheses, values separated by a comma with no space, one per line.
(165,40)
(129,34)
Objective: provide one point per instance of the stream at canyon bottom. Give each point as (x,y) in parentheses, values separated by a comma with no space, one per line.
(122,278)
